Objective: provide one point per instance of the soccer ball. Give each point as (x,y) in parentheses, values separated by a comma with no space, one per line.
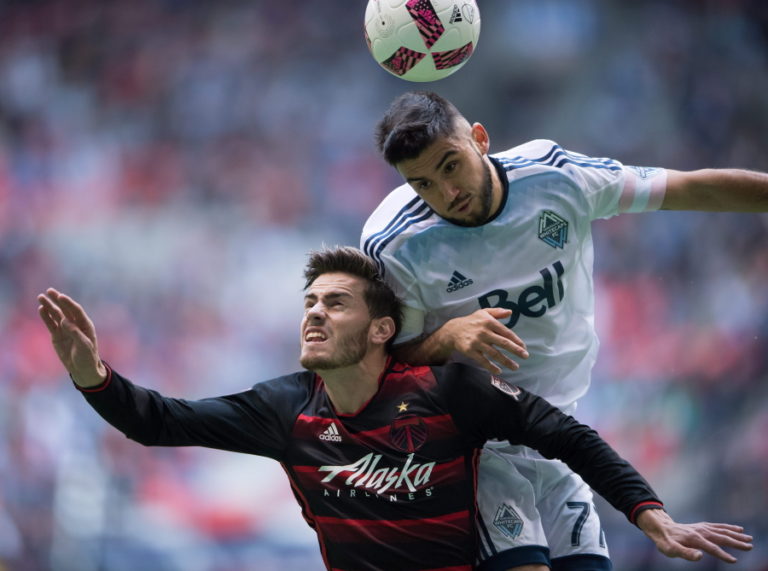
(422,40)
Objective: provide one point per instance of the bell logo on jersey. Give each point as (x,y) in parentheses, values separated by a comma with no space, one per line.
(533,301)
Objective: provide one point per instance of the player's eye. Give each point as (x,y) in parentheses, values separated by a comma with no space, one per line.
(451,166)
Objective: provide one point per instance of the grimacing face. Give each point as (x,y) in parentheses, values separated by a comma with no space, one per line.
(336,323)
(454,177)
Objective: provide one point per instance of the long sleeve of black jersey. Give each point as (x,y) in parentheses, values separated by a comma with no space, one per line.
(256,421)
(486,407)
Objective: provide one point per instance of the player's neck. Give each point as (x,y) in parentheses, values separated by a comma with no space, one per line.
(350,388)
(497,189)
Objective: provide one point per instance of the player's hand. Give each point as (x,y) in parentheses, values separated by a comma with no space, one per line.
(482,337)
(691,540)
(73,336)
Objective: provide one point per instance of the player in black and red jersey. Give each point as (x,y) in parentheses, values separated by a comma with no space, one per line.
(381,456)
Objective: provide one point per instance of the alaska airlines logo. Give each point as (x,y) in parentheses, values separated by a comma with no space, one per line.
(533,301)
(365,473)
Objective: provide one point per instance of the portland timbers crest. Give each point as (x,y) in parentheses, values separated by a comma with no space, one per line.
(553,229)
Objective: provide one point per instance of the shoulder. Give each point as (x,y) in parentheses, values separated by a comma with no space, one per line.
(537,149)
(543,154)
(460,375)
(401,214)
(281,391)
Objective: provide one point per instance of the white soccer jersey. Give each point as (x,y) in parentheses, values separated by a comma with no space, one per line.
(534,257)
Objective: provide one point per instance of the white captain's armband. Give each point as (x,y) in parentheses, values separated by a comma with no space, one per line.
(644,189)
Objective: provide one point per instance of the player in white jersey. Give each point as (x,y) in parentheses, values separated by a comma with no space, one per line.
(492,255)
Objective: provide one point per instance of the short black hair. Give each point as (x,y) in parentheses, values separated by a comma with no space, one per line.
(413,122)
(380,298)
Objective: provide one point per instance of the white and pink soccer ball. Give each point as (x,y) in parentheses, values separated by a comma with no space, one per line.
(422,40)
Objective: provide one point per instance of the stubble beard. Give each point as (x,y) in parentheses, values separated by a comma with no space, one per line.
(486,201)
(352,348)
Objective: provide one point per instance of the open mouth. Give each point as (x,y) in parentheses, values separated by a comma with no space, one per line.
(314,337)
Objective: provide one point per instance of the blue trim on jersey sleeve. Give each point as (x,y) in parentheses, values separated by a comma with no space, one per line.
(557,157)
(401,221)
(392,222)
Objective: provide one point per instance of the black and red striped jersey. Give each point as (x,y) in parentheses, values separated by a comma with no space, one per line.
(393,485)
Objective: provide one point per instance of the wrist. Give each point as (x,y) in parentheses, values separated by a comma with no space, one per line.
(93,378)
(648,515)
(641,508)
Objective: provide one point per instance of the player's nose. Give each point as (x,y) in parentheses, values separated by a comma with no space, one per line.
(449,192)
(316,312)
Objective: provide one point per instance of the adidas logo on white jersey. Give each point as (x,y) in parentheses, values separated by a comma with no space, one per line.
(457,282)
(330,434)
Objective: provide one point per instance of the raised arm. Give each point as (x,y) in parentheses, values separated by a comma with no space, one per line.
(479,336)
(73,337)
(716,190)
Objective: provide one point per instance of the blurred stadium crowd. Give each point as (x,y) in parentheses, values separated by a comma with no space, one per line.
(170,162)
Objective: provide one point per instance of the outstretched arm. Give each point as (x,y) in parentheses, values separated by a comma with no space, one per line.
(716,190)
(691,540)
(485,408)
(480,336)
(73,336)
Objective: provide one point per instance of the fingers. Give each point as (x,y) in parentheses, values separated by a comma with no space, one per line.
(502,336)
(49,310)
(727,535)
(63,308)
(708,538)
(491,356)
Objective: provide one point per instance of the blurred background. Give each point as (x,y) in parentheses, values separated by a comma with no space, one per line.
(169,163)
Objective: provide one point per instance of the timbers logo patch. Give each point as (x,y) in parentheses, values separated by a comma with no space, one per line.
(553,229)
(408,433)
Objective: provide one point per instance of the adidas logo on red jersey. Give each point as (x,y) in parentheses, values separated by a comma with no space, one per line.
(330,434)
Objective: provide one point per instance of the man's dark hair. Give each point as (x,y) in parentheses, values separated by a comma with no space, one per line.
(413,122)
(381,300)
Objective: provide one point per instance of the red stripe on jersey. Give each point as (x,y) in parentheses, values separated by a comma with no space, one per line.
(308,427)
(308,516)
(403,531)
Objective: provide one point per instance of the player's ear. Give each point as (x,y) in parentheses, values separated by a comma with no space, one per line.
(381,330)
(481,138)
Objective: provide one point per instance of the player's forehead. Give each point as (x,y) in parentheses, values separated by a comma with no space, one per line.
(434,156)
(336,284)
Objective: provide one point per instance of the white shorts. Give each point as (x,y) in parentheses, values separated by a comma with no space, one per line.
(537,507)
